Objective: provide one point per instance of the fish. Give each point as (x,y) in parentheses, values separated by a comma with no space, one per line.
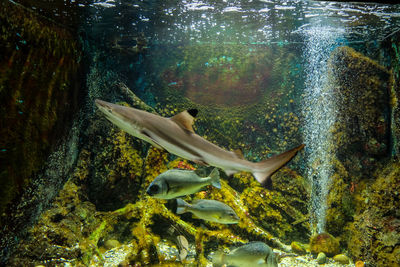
(209,210)
(183,247)
(177,182)
(176,135)
(251,254)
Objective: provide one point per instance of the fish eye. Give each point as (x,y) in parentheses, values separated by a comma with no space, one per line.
(154,188)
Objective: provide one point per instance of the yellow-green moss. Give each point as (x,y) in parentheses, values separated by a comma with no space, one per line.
(374,232)
(326,243)
(128,159)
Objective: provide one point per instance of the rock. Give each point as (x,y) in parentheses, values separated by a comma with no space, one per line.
(298,248)
(375,148)
(324,242)
(111,243)
(342,259)
(321,258)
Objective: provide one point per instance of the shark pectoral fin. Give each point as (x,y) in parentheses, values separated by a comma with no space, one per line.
(267,167)
(230,172)
(185,119)
(238,153)
(151,140)
(200,162)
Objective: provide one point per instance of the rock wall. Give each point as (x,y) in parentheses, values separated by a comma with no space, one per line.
(40,94)
(362,200)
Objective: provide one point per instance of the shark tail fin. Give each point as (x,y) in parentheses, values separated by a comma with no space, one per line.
(215,181)
(267,167)
(181,206)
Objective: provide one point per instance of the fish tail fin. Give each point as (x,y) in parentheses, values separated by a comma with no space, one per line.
(267,167)
(181,206)
(215,181)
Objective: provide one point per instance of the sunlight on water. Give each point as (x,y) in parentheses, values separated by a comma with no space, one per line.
(320,115)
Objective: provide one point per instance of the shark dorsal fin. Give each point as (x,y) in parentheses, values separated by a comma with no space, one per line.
(185,119)
(238,153)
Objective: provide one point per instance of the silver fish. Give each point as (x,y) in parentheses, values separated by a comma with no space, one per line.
(252,254)
(176,135)
(209,210)
(177,183)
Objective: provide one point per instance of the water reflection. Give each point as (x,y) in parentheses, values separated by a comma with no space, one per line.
(224,21)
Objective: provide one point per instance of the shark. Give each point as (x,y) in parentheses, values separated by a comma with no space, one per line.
(176,135)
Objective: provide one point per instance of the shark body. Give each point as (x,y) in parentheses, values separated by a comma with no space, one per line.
(176,135)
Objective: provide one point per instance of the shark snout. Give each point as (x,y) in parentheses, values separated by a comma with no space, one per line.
(105,107)
(100,103)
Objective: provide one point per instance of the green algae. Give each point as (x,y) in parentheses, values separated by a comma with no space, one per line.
(374,235)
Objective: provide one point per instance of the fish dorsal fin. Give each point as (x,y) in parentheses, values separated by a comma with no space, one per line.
(238,153)
(185,119)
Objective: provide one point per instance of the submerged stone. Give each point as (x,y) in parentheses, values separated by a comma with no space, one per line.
(341,258)
(321,258)
(324,242)
(111,243)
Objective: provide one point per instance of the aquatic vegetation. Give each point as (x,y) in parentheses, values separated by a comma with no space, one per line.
(298,248)
(128,158)
(281,211)
(115,180)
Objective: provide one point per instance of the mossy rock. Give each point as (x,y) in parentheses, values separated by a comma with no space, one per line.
(326,243)
(374,235)
(341,258)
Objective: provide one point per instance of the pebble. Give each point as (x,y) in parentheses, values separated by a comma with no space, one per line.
(307,261)
(321,258)
(341,258)
(116,256)
(111,243)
